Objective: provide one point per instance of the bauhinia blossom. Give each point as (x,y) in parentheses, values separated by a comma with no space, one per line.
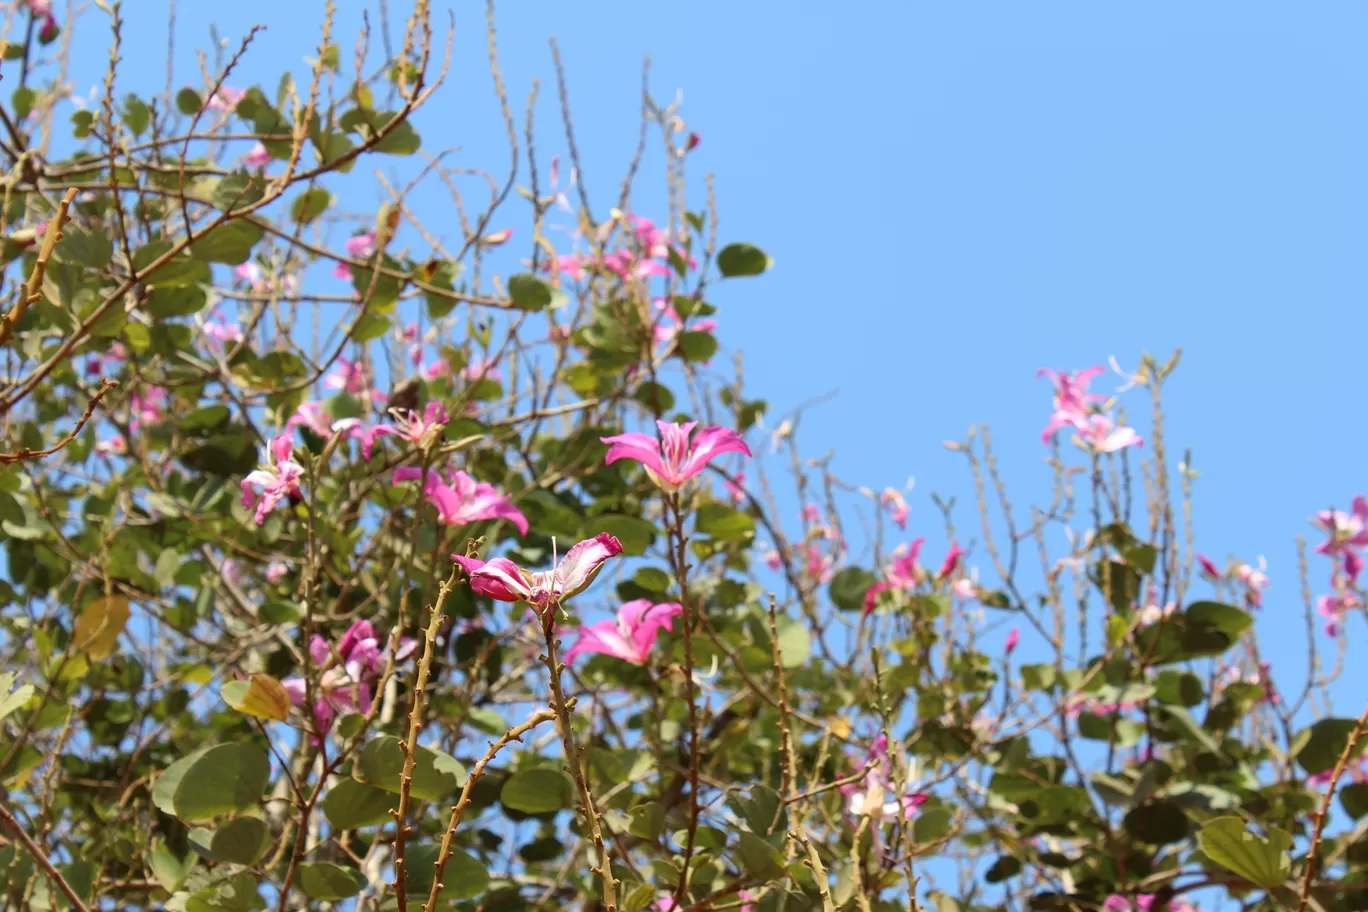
(358,247)
(1142,902)
(1072,401)
(346,683)
(460,500)
(501,579)
(876,795)
(1101,435)
(1255,581)
(897,506)
(1013,638)
(226,98)
(278,480)
(1347,531)
(419,430)
(632,636)
(258,157)
(674,459)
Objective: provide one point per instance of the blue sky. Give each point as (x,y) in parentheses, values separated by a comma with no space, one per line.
(958,194)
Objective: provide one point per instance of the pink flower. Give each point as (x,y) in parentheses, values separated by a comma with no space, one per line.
(278,480)
(248,273)
(501,579)
(346,682)
(664,904)
(669,324)
(1334,607)
(1209,569)
(819,562)
(1255,581)
(258,157)
(694,140)
(97,364)
(673,459)
(226,99)
(349,376)
(868,798)
(359,247)
(1153,614)
(219,331)
(309,415)
(418,431)
(632,636)
(48,32)
(773,559)
(735,489)
(1143,902)
(482,369)
(148,405)
(276,570)
(461,500)
(893,499)
(966,588)
(1346,531)
(496,238)
(1072,400)
(952,559)
(1013,637)
(114,446)
(810,514)
(1100,435)
(1353,565)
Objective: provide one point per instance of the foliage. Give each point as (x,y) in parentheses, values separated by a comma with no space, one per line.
(293,617)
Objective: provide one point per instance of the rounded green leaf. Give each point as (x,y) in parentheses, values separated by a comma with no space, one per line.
(724,523)
(188,101)
(463,878)
(164,790)
(759,858)
(932,825)
(1323,744)
(635,534)
(527,292)
(241,841)
(226,778)
(849,586)
(310,204)
(350,805)
(435,774)
(742,260)
(322,880)
(1262,862)
(1158,823)
(537,791)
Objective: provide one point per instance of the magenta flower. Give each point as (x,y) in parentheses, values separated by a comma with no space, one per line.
(417,430)
(893,499)
(1334,607)
(501,579)
(1209,569)
(632,636)
(669,324)
(258,157)
(482,369)
(1072,401)
(278,480)
(98,364)
(346,682)
(311,416)
(1013,638)
(461,500)
(903,574)
(673,459)
(952,559)
(1347,531)
(358,247)
(819,562)
(872,796)
(116,445)
(148,405)
(1143,902)
(226,99)
(1102,436)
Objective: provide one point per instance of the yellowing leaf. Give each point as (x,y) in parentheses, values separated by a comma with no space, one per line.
(262,696)
(99,626)
(840,726)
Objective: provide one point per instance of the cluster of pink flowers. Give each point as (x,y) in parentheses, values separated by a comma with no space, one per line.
(353,378)
(346,682)
(904,573)
(249,275)
(632,636)
(1096,707)
(460,500)
(1075,407)
(1347,538)
(147,406)
(897,507)
(358,247)
(669,323)
(1253,579)
(646,254)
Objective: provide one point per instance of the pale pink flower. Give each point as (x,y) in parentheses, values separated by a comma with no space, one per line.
(231,571)
(669,324)
(358,247)
(226,99)
(460,500)
(348,675)
(1255,581)
(482,369)
(772,558)
(1347,531)
(276,571)
(501,579)
(410,426)
(148,405)
(665,904)
(248,273)
(1142,902)
(810,514)
(1334,607)
(893,499)
(735,489)
(220,332)
(113,446)
(874,797)
(438,368)
(310,415)
(966,588)
(1102,436)
(348,375)
(1153,614)
(1072,401)
(674,459)
(278,480)
(258,157)
(496,238)
(632,636)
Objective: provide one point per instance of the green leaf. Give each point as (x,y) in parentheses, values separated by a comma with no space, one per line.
(238,893)
(1038,677)
(1182,721)
(1325,743)
(648,821)
(350,805)
(241,841)
(230,243)
(188,101)
(537,791)
(227,454)
(82,247)
(724,523)
(1158,823)
(371,326)
(635,534)
(135,115)
(1004,868)
(1262,862)
(760,859)
(164,790)
(639,898)
(742,260)
(310,204)
(175,301)
(9,702)
(323,880)
(225,778)
(527,292)
(22,100)
(401,140)
(169,870)
(848,588)
(1354,798)
(1180,688)
(435,774)
(932,825)
(698,347)
(463,878)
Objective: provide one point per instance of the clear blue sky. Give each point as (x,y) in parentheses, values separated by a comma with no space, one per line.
(958,194)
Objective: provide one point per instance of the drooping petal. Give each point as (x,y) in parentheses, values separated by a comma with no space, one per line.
(280,449)
(498,578)
(710,443)
(604,638)
(642,448)
(648,624)
(319,650)
(582,562)
(372,434)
